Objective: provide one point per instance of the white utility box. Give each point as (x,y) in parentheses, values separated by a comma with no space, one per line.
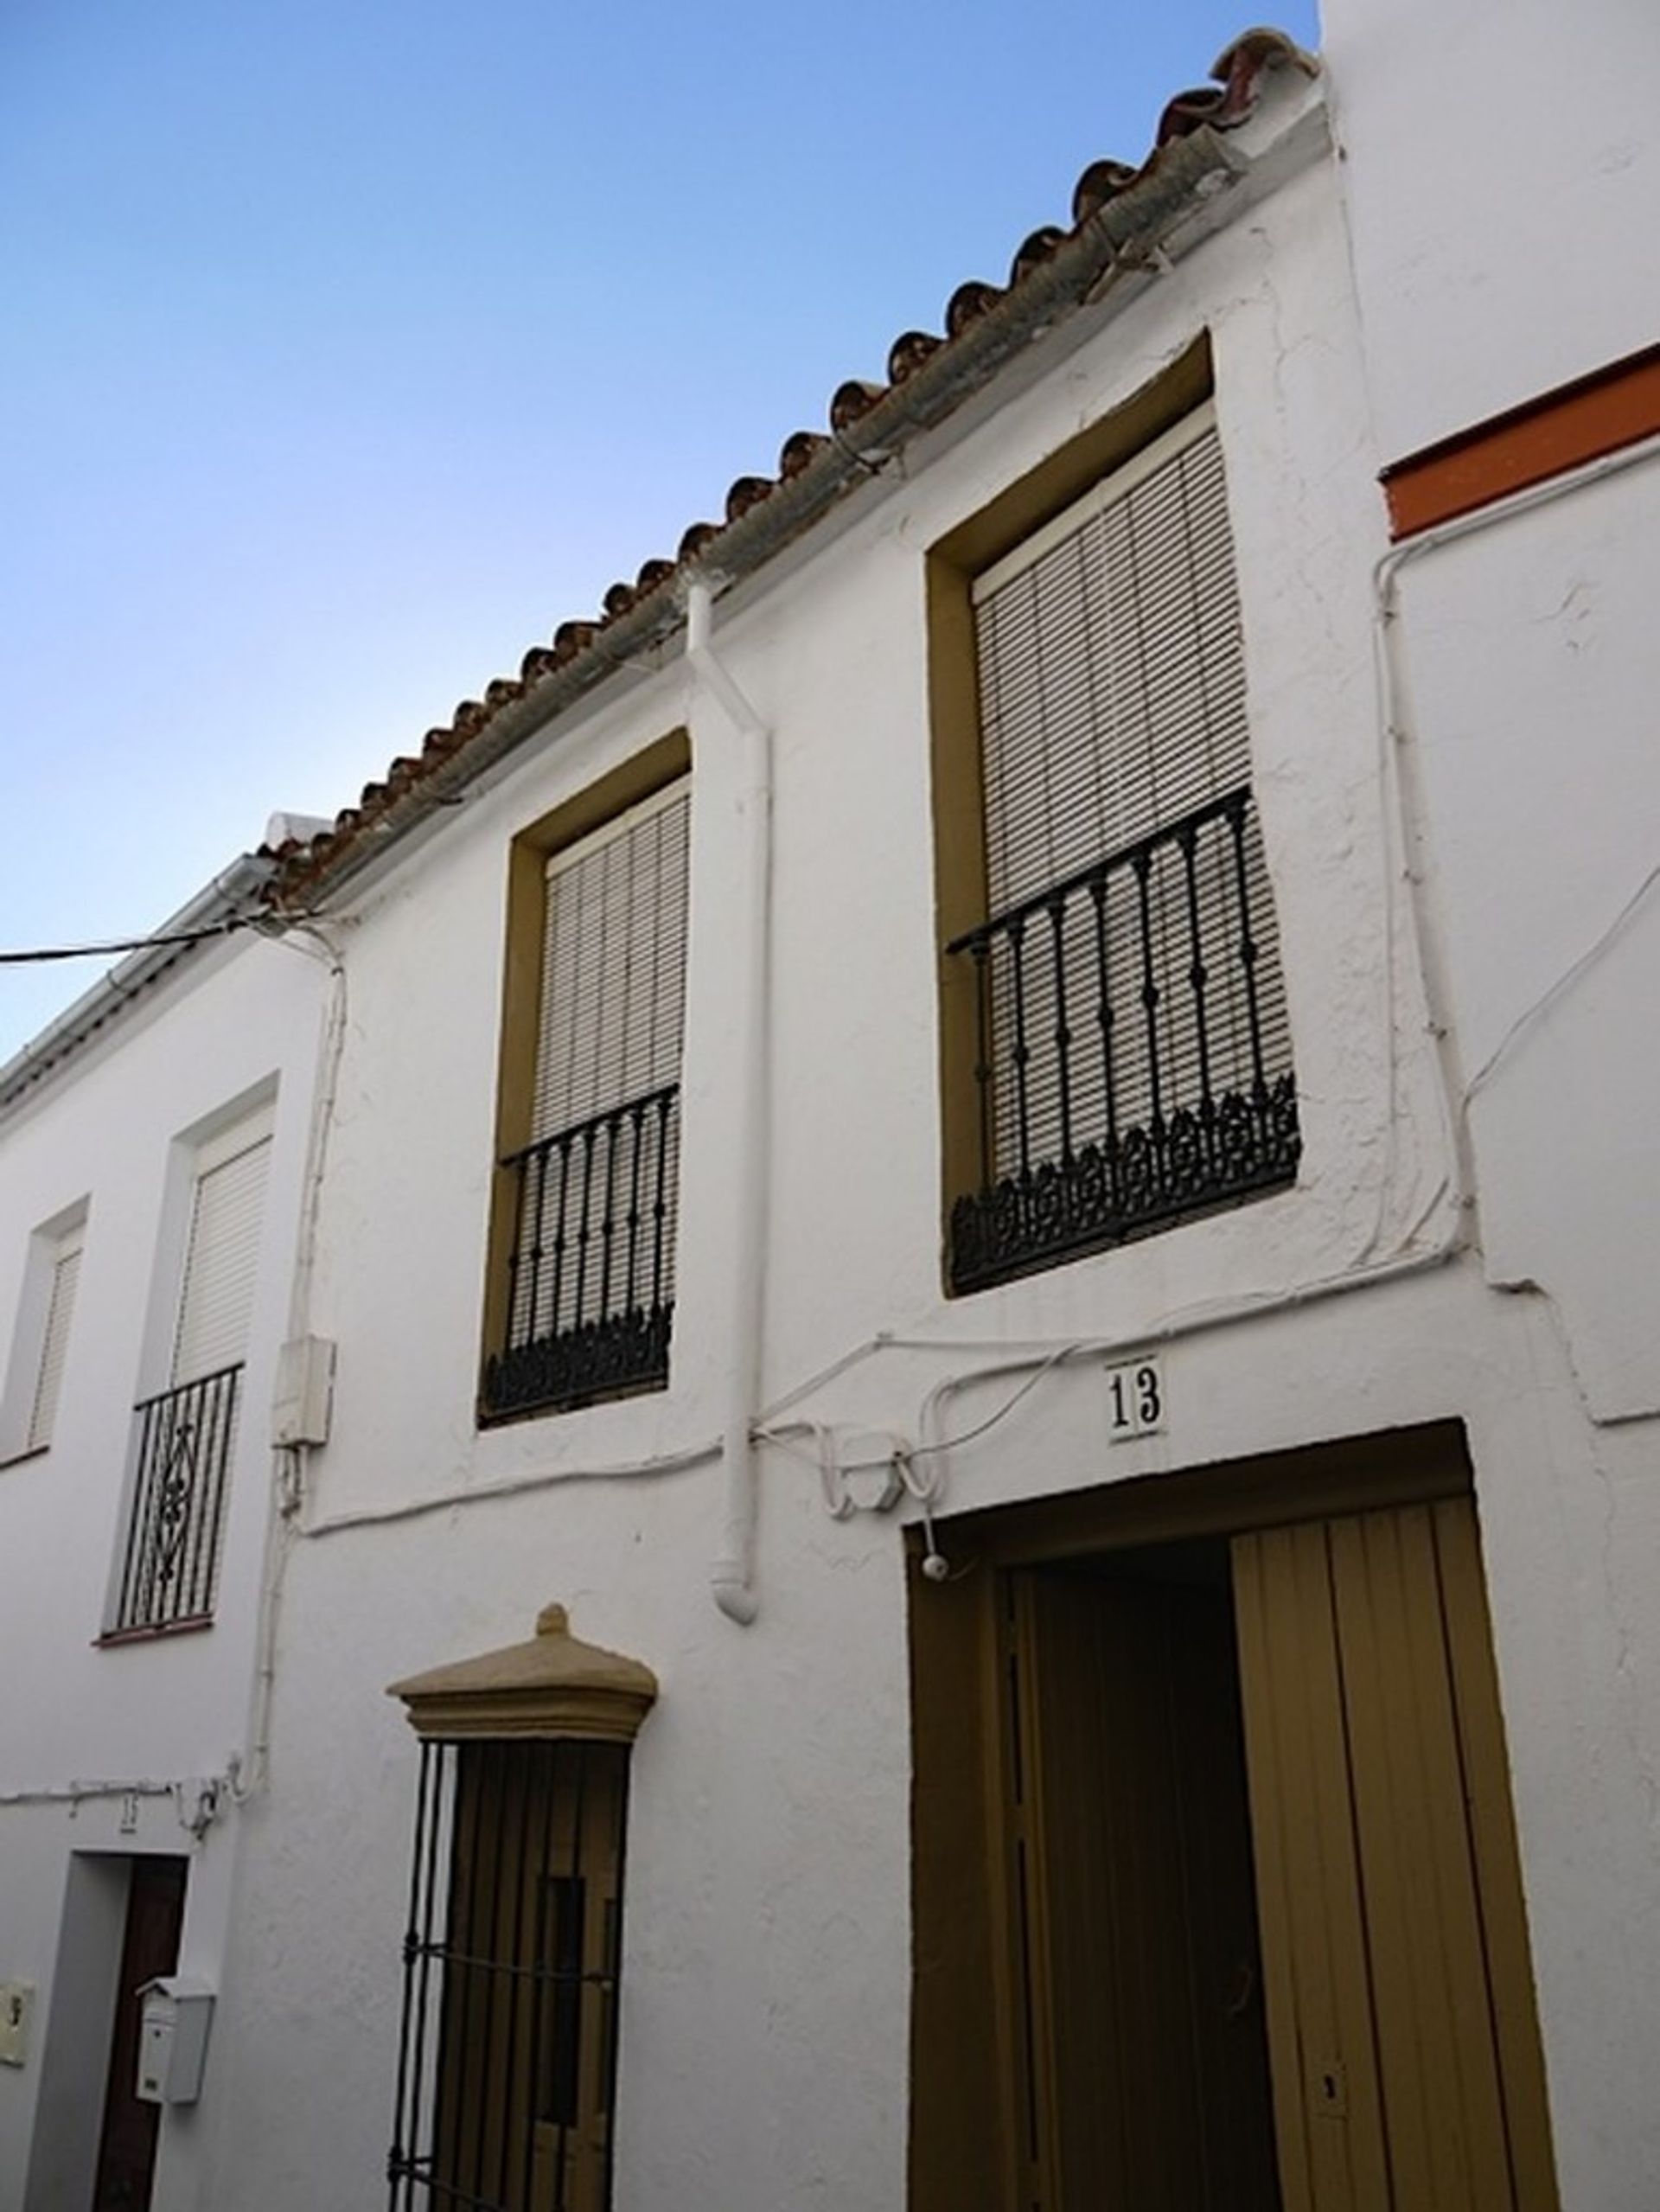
(304,1394)
(172,2039)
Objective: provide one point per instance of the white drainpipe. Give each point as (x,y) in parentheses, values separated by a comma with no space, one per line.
(732,1575)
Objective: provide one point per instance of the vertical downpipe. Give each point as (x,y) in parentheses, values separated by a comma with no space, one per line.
(732,1575)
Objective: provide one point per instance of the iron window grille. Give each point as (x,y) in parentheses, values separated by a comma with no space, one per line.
(507,2069)
(1132,1057)
(186,1439)
(591,1263)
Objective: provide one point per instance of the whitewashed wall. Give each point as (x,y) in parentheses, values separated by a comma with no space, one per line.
(765,2025)
(234,1024)
(1503,183)
(1503,178)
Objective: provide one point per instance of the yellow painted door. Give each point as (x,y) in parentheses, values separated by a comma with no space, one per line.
(1405,2054)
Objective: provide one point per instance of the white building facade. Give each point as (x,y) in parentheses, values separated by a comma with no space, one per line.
(988,1155)
(153,1156)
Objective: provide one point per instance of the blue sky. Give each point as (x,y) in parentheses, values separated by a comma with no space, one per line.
(345,348)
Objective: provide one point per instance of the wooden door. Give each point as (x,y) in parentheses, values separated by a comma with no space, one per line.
(126,2155)
(1406,2061)
(1145,2057)
(524,2069)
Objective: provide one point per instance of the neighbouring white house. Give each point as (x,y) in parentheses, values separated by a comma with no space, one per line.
(154,1144)
(981,1177)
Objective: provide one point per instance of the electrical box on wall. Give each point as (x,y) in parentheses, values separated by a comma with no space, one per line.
(172,2040)
(304,1396)
(17,2010)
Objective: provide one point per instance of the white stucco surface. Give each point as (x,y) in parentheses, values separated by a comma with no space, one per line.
(1503,183)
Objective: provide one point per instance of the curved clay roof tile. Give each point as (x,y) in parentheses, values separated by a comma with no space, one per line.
(747,492)
(798,450)
(851,400)
(652,574)
(1035,251)
(570,638)
(967,303)
(1238,67)
(500,692)
(910,350)
(617,600)
(1101,182)
(1184,114)
(696,537)
(536,664)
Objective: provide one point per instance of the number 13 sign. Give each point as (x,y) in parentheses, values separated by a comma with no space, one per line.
(1135,1400)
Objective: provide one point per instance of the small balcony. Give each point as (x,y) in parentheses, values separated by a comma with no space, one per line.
(591,1298)
(170,1570)
(1133,1062)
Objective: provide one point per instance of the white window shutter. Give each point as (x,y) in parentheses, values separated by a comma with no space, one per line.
(216,1301)
(614,966)
(54,1344)
(1112,674)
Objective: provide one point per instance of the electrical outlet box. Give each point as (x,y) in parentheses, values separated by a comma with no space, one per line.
(17,2013)
(304,1396)
(173,2022)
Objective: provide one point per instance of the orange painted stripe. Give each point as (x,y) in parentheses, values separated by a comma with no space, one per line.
(1544,437)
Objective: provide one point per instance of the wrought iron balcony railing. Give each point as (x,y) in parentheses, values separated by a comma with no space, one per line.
(170,1568)
(1133,1060)
(591,1291)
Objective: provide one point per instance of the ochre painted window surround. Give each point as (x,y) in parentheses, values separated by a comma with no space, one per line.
(1116,1052)
(580,1285)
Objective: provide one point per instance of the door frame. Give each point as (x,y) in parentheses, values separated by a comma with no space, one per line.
(974,2091)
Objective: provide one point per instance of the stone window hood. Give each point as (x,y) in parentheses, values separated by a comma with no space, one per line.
(553,1685)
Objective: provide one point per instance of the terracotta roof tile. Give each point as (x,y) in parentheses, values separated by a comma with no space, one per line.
(1221,105)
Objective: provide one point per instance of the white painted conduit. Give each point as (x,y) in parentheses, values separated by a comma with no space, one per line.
(731,1576)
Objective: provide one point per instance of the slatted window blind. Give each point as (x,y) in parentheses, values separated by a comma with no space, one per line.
(1112,689)
(614,965)
(54,1343)
(216,1301)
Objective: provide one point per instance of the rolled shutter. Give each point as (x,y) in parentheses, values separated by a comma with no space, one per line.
(1111,667)
(216,1302)
(55,1345)
(614,966)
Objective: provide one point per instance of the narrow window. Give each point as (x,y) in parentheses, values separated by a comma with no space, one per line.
(61,1306)
(590,1297)
(1133,1058)
(186,1434)
(40,1345)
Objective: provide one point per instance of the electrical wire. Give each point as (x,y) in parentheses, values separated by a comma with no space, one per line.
(110,946)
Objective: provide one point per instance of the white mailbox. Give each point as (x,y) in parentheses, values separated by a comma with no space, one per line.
(172,2039)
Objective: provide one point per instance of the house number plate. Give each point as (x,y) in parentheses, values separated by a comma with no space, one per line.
(1135,1399)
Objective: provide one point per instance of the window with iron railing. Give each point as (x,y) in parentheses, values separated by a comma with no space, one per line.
(1131,1052)
(184,1437)
(588,1301)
